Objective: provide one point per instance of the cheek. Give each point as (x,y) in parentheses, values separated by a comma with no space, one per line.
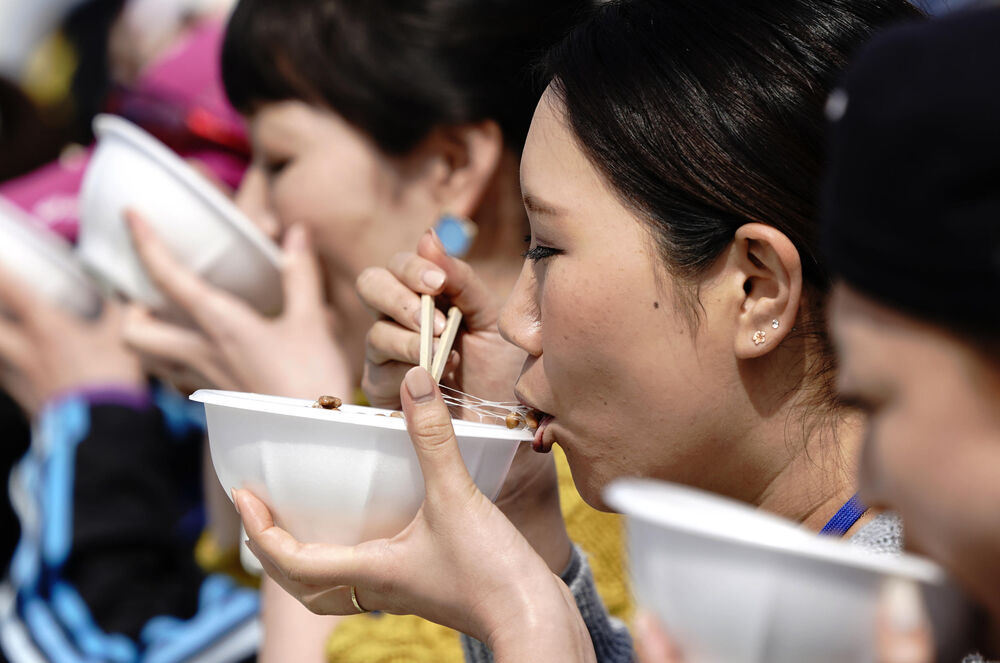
(616,370)
(905,467)
(338,202)
(893,458)
(580,323)
(876,467)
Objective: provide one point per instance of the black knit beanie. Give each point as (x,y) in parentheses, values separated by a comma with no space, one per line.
(911,198)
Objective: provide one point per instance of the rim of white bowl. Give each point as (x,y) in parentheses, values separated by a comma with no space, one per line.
(149,145)
(55,250)
(649,501)
(354,414)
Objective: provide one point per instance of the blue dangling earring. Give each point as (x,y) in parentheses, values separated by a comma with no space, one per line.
(457,233)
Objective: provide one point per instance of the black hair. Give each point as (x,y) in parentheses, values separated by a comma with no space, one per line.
(704,115)
(396,69)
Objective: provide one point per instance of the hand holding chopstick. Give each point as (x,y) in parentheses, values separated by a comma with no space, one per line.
(435,366)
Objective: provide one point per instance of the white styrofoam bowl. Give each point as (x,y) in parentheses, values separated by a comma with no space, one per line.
(204,230)
(336,476)
(733,584)
(46,262)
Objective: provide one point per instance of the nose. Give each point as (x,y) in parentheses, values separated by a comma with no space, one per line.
(520,319)
(253,199)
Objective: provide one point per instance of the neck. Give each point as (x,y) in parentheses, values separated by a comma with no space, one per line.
(817,478)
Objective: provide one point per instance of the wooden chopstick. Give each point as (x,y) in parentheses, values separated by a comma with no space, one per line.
(447,340)
(426,331)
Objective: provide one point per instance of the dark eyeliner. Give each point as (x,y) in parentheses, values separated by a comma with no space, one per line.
(273,168)
(540,253)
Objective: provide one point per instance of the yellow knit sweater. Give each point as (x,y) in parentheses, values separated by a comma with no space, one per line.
(407,639)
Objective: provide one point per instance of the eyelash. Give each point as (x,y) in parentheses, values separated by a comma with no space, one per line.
(273,168)
(540,253)
(858,403)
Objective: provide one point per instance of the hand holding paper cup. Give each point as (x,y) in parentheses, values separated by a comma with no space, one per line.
(132,170)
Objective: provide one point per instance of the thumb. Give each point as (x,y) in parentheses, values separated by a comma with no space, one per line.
(904,634)
(429,424)
(652,642)
(302,280)
(462,285)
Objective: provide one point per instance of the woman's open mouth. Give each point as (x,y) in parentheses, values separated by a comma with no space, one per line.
(539,421)
(539,444)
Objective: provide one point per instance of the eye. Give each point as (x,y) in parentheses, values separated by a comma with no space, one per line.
(859,403)
(274,167)
(540,252)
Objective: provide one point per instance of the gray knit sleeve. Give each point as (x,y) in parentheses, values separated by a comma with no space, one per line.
(612,642)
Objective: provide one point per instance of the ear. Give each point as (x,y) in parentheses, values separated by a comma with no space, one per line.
(465,158)
(772,285)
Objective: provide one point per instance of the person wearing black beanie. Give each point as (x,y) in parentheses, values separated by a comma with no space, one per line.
(911,229)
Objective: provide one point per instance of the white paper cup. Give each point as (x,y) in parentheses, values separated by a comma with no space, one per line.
(733,584)
(45,262)
(336,476)
(203,229)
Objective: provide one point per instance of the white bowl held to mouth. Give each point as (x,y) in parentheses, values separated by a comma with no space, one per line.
(46,262)
(332,476)
(203,229)
(734,584)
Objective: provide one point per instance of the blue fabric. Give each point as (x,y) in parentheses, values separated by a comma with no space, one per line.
(940,7)
(49,608)
(72,612)
(66,426)
(845,517)
(223,607)
(181,415)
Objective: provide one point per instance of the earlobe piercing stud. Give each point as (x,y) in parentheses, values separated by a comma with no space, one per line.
(775,324)
(758,337)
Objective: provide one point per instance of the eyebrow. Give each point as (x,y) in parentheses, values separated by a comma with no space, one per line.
(533,204)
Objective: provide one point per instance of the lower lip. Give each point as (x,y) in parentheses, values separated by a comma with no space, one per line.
(538,444)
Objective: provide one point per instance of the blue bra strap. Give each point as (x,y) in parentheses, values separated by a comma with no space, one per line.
(845,518)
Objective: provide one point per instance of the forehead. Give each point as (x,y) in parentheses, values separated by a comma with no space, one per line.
(279,118)
(552,163)
(295,124)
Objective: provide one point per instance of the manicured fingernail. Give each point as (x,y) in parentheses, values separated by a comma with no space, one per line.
(236,502)
(295,240)
(432,278)
(903,605)
(419,384)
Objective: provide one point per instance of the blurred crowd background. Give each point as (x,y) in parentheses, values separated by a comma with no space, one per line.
(154,62)
(61,61)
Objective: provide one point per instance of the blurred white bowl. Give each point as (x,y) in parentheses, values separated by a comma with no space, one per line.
(204,229)
(733,584)
(45,261)
(336,476)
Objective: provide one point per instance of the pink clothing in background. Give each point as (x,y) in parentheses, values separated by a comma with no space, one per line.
(179,99)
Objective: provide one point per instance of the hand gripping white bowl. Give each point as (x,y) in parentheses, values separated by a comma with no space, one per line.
(205,231)
(45,261)
(336,476)
(733,584)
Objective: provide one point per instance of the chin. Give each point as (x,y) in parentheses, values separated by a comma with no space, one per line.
(590,485)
